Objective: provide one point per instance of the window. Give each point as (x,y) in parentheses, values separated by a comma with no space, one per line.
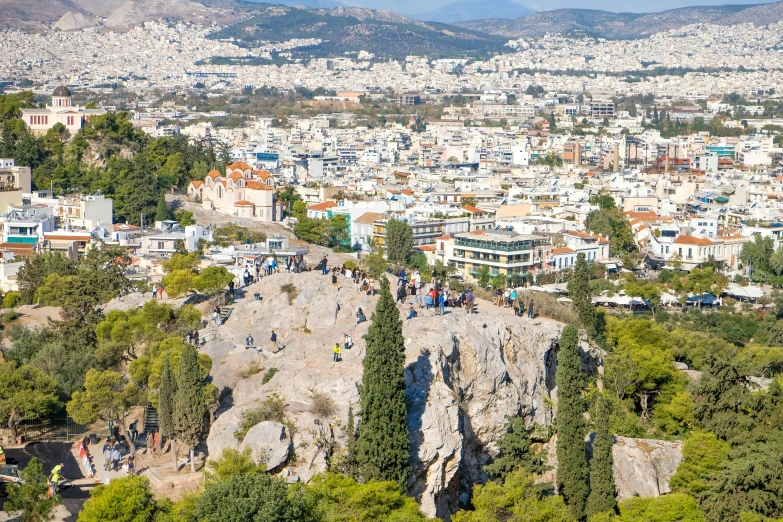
(161,245)
(69,120)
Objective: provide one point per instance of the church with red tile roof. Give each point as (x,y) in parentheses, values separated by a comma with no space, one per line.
(242,192)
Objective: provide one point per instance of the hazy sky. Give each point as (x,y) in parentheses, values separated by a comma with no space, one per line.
(417,6)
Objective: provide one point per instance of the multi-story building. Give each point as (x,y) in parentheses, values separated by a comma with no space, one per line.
(572,153)
(602,109)
(14,182)
(504,253)
(424,232)
(62,110)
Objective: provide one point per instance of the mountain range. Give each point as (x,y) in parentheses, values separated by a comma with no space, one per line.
(351,29)
(445,32)
(624,25)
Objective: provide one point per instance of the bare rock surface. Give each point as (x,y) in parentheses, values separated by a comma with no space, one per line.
(464,373)
(643,467)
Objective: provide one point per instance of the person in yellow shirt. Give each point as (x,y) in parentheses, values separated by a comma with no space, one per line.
(336,352)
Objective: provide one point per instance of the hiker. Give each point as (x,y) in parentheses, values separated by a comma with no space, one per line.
(273,339)
(401,277)
(231,286)
(249,341)
(348,342)
(411,314)
(401,294)
(323,266)
(217,315)
(116,456)
(469,301)
(334,281)
(54,478)
(360,316)
(106,457)
(442,303)
(530,312)
(336,350)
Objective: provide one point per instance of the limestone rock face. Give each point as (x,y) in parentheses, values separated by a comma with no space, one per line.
(643,467)
(464,373)
(269,442)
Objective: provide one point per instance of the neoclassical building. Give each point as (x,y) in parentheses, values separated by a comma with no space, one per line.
(62,110)
(242,192)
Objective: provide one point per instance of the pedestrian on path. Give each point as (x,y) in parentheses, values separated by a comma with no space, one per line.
(116,456)
(336,350)
(106,457)
(217,315)
(530,313)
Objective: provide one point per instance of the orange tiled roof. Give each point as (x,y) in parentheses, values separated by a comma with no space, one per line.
(472,209)
(564,250)
(263,174)
(326,205)
(243,203)
(238,165)
(196,183)
(692,240)
(213,174)
(368,217)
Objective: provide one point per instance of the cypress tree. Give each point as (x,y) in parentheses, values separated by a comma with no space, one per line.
(579,291)
(571,461)
(162,211)
(188,418)
(603,495)
(166,393)
(383,449)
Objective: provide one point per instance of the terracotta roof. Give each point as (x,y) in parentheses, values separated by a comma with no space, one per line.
(326,205)
(443,237)
(642,216)
(213,174)
(243,203)
(125,227)
(692,240)
(196,183)
(564,250)
(238,165)
(257,185)
(235,176)
(368,217)
(263,174)
(425,248)
(67,237)
(472,209)
(479,232)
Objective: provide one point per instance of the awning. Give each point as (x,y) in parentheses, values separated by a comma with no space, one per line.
(721,199)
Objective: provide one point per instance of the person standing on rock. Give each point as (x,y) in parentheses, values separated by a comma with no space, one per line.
(231,285)
(323,266)
(530,313)
(217,315)
(336,351)
(401,277)
(434,276)
(334,281)
(273,340)
(442,302)
(249,341)
(469,301)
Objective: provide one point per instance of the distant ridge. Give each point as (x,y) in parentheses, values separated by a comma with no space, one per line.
(472,9)
(625,25)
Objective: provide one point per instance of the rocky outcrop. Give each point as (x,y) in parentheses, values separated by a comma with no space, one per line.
(464,373)
(643,467)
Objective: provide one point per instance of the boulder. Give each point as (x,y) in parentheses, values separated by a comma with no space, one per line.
(643,467)
(269,442)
